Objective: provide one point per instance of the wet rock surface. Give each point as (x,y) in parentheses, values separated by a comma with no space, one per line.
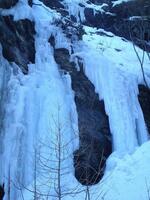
(95,139)
(17,40)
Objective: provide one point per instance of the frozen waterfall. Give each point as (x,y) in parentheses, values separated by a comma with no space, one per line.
(38,113)
(35,109)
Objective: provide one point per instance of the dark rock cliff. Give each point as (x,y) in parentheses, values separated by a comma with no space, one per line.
(17,40)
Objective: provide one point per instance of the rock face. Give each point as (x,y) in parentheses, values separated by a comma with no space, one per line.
(133,28)
(95,139)
(144,99)
(57,5)
(7,3)
(17,39)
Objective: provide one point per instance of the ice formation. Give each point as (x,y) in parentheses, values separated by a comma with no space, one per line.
(39,108)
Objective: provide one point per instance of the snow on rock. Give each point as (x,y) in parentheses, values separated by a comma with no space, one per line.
(76,8)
